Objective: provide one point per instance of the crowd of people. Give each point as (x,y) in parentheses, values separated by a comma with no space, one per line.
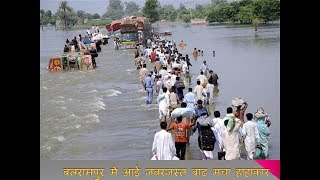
(166,79)
(89,44)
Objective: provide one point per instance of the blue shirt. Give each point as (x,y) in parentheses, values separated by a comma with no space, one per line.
(201,112)
(145,51)
(86,40)
(148,82)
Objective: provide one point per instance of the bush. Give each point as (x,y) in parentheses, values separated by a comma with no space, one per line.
(90,23)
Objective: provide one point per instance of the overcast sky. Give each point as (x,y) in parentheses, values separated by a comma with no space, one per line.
(100,6)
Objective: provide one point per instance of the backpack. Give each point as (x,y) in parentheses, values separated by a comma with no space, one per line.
(207,140)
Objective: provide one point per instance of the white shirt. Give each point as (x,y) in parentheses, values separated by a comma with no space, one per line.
(204,68)
(190,99)
(163,145)
(250,131)
(218,128)
(173,79)
(163,73)
(205,92)
(148,41)
(198,91)
(230,141)
(161,57)
(203,79)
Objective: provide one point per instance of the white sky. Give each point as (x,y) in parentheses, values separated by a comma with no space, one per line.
(100,6)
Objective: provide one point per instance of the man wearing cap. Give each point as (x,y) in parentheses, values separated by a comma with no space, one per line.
(148,86)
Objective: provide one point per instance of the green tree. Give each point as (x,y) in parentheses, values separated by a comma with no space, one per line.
(232,10)
(270,10)
(217,15)
(199,7)
(150,10)
(46,17)
(182,8)
(53,19)
(245,14)
(95,16)
(168,12)
(219,3)
(186,18)
(115,10)
(72,18)
(197,13)
(81,16)
(63,12)
(206,8)
(256,23)
(89,16)
(245,2)
(48,14)
(41,16)
(132,9)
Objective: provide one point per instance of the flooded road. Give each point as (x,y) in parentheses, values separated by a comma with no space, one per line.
(101,114)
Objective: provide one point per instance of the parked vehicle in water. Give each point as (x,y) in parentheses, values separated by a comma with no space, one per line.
(133,31)
(73,61)
(128,34)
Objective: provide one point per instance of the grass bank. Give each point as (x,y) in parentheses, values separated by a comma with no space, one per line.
(101,23)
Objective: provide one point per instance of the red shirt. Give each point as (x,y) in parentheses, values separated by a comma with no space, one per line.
(180,130)
(153,56)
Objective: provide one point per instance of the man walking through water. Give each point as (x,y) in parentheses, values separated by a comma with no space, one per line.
(230,136)
(180,131)
(142,73)
(190,99)
(204,68)
(163,101)
(251,135)
(195,54)
(210,86)
(163,146)
(148,86)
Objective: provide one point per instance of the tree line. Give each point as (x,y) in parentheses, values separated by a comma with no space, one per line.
(66,16)
(243,11)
